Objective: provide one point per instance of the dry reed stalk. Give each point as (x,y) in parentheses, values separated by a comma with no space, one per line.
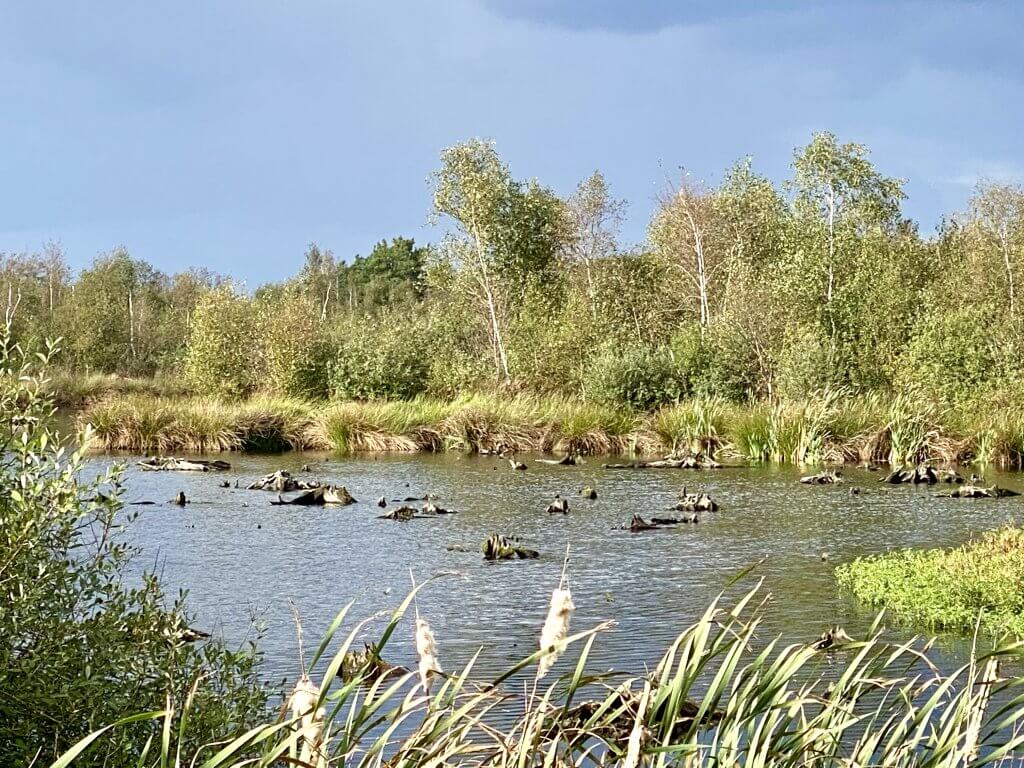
(426,649)
(556,625)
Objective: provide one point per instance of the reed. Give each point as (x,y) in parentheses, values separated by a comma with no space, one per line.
(718,696)
(827,427)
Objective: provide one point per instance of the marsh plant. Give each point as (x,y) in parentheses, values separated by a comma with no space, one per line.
(720,695)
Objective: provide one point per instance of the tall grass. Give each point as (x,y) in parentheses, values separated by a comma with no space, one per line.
(827,427)
(719,696)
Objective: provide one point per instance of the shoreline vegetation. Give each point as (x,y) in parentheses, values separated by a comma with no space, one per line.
(828,428)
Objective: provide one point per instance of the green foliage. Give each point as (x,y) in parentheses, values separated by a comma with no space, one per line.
(948,589)
(223,356)
(79,648)
(295,348)
(642,378)
(380,357)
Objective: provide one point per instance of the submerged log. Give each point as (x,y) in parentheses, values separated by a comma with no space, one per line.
(282,481)
(559,506)
(170,464)
(430,509)
(827,477)
(319,496)
(638,524)
(922,474)
(401,514)
(569,460)
(686,462)
(497,547)
(968,491)
(695,502)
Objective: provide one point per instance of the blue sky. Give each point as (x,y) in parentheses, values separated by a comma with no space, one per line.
(230,134)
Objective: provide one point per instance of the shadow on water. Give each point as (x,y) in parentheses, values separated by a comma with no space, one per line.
(237,554)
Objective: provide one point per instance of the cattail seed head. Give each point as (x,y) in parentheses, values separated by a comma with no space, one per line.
(556,628)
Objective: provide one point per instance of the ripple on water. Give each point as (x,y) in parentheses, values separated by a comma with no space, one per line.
(654,584)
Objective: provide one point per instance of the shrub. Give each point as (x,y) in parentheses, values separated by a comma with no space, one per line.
(295,347)
(222,356)
(637,377)
(380,357)
(79,648)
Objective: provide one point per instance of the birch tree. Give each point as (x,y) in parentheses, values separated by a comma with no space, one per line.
(997,219)
(594,218)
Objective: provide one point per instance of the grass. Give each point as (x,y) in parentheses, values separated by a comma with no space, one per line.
(948,589)
(718,696)
(76,390)
(827,427)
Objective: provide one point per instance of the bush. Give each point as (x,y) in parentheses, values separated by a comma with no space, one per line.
(79,649)
(637,377)
(379,358)
(222,356)
(295,348)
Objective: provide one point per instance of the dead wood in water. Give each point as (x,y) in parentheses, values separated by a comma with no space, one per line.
(170,464)
(687,462)
(318,497)
(497,547)
(282,481)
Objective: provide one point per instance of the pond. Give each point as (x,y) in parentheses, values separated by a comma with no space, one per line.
(239,556)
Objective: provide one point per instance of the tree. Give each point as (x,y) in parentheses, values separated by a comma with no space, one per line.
(594,218)
(114,314)
(318,277)
(997,218)
(506,231)
(837,184)
(681,233)
(391,274)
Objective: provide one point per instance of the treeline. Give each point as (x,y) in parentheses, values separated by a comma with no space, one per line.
(743,290)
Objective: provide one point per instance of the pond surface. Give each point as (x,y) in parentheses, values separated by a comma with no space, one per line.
(239,556)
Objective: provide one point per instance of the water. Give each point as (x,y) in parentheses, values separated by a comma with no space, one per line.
(238,556)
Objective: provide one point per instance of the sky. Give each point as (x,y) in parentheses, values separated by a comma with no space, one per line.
(231,134)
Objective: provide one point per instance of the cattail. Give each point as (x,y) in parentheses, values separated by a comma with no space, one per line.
(426,649)
(556,628)
(302,704)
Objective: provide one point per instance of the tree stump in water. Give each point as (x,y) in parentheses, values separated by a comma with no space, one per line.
(822,478)
(497,547)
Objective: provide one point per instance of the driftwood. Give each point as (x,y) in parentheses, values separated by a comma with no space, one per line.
(401,514)
(569,460)
(497,547)
(368,665)
(559,506)
(430,509)
(686,462)
(588,493)
(282,481)
(638,524)
(179,499)
(827,477)
(170,464)
(318,497)
(922,475)
(695,502)
(517,465)
(968,491)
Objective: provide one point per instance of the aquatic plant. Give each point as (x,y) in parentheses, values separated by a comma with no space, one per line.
(949,589)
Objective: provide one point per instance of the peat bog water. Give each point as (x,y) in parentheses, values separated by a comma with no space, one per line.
(239,556)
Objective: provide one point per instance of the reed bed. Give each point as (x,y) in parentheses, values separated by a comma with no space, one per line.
(829,427)
(719,696)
